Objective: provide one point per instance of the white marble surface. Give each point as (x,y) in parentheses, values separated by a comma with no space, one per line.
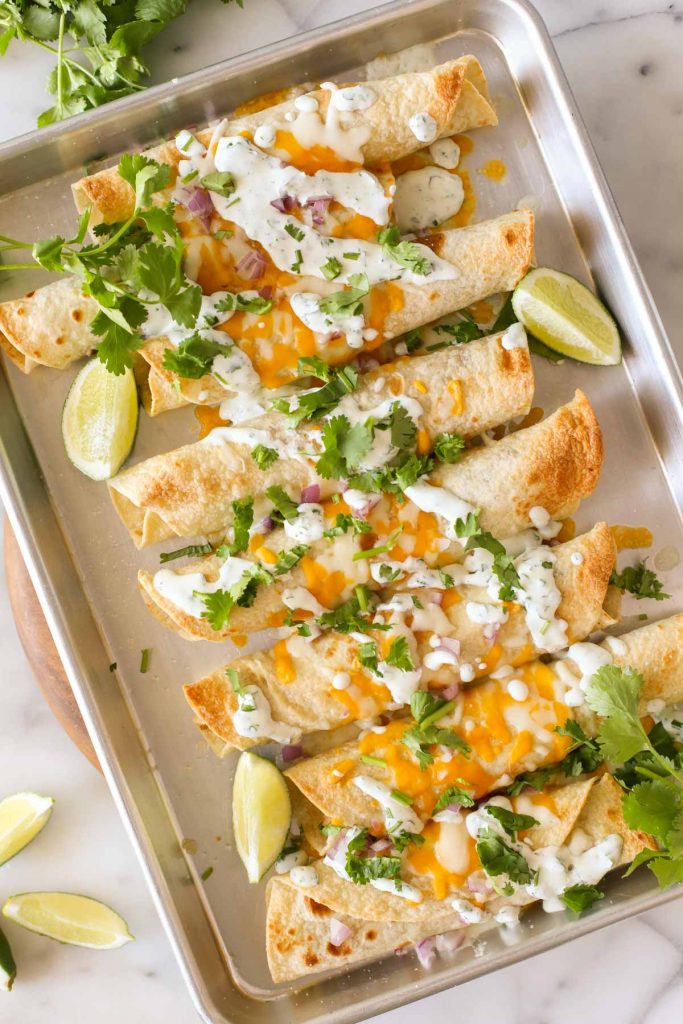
(623,60)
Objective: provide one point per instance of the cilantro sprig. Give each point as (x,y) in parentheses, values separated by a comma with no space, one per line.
(315,404)
(654,801)
(98,46)
(639,581)
(503,564)
(141,256)
(427,709)
(406,254)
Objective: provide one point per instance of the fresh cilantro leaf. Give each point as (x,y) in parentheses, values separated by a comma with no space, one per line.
(237,302)
(453,795)
(331,268)
(469,526)
(412,341)
(511,822)
(653,806)
(243,517)
(344,447)
(117,343)
(426,707)
(145,176)
(584,755)
(264,457)
(581,897)
(330,830)
(639,581)
(368,656)
(448,448)
(459,333)
(503,564)
(192,550)
(286,560)
(284,505)
(403,427)
(406,254)
(362,870)
(348,302)
(498,858)
(613,695)
(217,608)
(220,182)
(349,617)
(194,356)
(506,316)
(313,405)
(398,655)
(667,870)
(344,522)
(401,840)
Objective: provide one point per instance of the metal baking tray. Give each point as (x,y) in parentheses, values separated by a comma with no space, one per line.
(172,792)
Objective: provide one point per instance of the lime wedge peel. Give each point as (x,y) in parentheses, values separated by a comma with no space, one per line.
(567,317)
(8,968)
(22,817)
(261,813)
(99,420)
(68,917)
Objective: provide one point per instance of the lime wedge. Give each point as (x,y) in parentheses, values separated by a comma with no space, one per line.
(261,813)
(8,968)
(68,917)
(563,314)
(99,420)
(22,816)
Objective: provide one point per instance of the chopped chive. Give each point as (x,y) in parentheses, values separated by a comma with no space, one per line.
(190,176)
(144,659)
(112,667)
(402,797)
(378,761)
(195,550)
(362,597)
(206,873)
(351,255)
(382,549)
(440,712)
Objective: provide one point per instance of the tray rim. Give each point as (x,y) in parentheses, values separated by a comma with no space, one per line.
(28,520)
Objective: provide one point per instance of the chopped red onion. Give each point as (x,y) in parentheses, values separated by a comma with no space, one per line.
(451,692)
(490,631)
(251,266)
(426,953)
(266,292)
(334,335)
(339,932)
(311,493)
(436,597)
(319,206)
(448,942)
(291,752)
(476,882)
(456,808)
(198,202)
(402,950)
(284,204)
(266,525)
(382,844)
(451,643)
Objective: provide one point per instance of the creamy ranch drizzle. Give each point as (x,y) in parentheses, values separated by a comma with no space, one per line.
(253,718)
(398,816)
(260,179)
(423,126)
(427,197)
(182,589)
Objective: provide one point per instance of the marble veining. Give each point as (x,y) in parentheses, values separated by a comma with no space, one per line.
(623,60)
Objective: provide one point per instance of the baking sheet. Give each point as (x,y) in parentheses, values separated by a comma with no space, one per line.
(173,792)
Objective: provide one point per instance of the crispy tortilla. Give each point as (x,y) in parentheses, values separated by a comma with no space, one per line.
(298,920)
(647,650)
(455,94)
(309,702)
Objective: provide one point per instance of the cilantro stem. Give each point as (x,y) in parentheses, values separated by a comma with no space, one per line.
(60,65)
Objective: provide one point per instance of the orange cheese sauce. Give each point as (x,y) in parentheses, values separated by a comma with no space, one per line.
(630,537)
(494,170)
(506,737)
(208,417)
(284,666)
(423,860)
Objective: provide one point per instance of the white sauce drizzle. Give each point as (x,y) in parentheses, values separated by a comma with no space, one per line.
(426,198)
(181,590)
(423,126)
(253,718)
(309,524)
(398,817)
(445,153)
(259,179)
